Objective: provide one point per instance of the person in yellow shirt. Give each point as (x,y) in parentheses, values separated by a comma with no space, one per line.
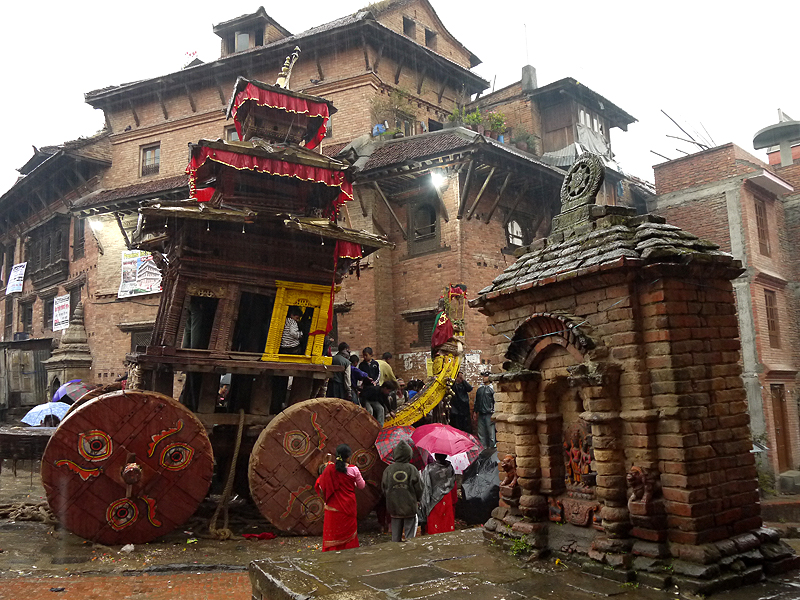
(386,372)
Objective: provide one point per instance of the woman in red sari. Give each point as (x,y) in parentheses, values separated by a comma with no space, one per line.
(337,486)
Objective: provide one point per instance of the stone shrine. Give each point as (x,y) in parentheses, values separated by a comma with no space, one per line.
(621,401)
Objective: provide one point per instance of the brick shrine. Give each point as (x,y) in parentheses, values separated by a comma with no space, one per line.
(622,403)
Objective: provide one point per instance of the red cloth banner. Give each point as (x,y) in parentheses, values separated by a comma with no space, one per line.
(289,103)
(348,250)
(270,166)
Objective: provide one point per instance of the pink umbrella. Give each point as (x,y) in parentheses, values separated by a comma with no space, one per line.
(461,460)
(438,438)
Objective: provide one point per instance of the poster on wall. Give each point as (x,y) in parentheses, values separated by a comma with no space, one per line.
(61,312)
(16,278)
(140,275)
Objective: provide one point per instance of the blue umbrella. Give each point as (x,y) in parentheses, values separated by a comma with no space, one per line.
(37,414)
(71,391)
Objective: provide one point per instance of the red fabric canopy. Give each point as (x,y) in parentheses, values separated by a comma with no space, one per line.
(270,166)
(289,103)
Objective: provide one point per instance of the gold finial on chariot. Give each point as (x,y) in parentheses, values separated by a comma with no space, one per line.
(286,70)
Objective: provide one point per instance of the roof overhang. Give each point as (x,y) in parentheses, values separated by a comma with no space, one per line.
(771,183)
(589,98)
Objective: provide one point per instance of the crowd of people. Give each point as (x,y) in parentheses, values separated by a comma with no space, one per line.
(413,499)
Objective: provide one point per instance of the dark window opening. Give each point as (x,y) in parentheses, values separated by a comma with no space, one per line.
(410,28)
(762,227)
(259,37)
(252,324)
(47,310)
(9,320)
(771,302)
(199,322)
(9,263)
(430,39)
(424,222)
(425,331)
(434,125)
(26,317)
(78,241)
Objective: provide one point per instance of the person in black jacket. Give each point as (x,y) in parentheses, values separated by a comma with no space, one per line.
(369,365)
(402,487)
(460,414)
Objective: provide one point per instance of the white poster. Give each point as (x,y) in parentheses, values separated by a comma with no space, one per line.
(16,279)
(140,275)
(61,312)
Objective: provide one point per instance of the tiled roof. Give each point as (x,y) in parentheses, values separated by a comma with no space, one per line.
(397,151)
(137,190)
(610,235)
(333,149)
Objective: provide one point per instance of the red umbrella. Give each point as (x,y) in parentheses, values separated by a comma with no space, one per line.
(389,437)
(438,438)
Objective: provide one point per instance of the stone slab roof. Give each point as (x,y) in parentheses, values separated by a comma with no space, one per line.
(611,236)
(137,190)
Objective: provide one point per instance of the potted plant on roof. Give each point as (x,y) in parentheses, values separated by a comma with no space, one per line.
(495,124)
(473,120)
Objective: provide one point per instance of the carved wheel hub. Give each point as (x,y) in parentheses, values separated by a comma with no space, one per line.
(583,181)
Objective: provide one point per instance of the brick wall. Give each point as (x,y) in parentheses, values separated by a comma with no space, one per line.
(703,167)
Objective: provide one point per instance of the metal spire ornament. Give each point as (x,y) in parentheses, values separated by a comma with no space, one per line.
(286,71)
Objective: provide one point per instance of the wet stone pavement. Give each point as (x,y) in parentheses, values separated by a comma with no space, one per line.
(36,558)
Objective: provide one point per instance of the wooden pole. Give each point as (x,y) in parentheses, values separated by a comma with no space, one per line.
(488,217)
(480,193)
(386,202)
(463,200)
(514,206)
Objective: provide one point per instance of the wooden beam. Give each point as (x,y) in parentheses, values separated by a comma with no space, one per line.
(445,214)
(219,90)
(386,202)
(366,52)
(163,106)
(441,90)
(191,98)
(462,203)
(521,193)
(480,193)
(347,216)
(122,229)
(319,66)
(488,216)
(399,69)
(421,79)
(133,110)
(377,60)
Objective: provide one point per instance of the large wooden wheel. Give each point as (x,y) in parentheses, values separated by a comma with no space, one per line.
(285,461)
(127,467)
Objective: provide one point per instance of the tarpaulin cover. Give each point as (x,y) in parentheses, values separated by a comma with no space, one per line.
(275,99)
(481,489)
(281,168)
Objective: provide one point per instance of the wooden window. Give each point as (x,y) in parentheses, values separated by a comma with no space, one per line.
(78,238)
(47,312)
(771,302)
(140,338)
(26,317)
(151,159)
(9,262)
(8,329)
(424,222)
(762,227)
(242,41)
(231,135)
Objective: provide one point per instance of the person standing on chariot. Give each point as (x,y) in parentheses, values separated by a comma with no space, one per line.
(337,486)
(292,336)
(339,384)
(359,380)
(369,365)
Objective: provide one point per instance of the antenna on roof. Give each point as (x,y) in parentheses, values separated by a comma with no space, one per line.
(691,140)
(661,155)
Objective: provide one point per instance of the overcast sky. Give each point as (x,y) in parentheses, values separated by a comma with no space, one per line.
(716,67)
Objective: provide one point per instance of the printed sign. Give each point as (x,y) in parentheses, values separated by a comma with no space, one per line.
(16,278)
(61,312)
(140,275)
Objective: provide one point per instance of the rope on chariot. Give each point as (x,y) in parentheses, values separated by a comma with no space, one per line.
(224,533)
(28,511)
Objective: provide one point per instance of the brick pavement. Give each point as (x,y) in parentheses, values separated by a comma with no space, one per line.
(197,586)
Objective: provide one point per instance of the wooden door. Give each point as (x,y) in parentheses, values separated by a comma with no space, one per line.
(781,420)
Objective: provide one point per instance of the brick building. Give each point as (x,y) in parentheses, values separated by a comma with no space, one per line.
(72,212)
(728,196)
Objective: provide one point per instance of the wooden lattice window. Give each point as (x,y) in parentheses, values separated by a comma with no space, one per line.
(762,227)
(140,338)
(47,312)
(78,238)
(771,303)
(26,316)
(9,320)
